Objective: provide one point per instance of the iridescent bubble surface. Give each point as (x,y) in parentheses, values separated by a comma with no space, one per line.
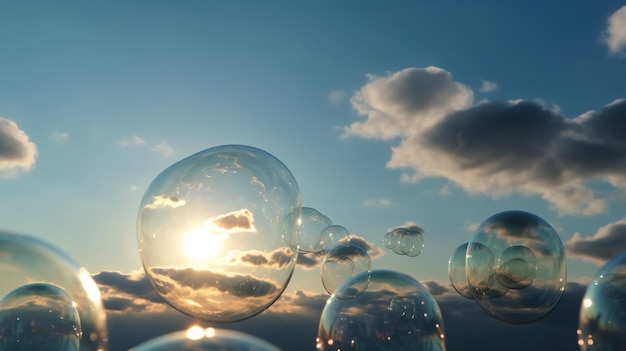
(395,312)
(218,232)
(39,316)
(312,225)
(515,267)
(602,319)
(206,339)
(28,260)
(343,262)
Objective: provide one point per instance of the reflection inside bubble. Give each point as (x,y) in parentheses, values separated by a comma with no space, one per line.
(39,316)
(395,312)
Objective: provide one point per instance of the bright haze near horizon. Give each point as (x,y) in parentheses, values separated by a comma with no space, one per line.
(388,114)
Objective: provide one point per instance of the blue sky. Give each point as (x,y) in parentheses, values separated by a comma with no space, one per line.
(360,100)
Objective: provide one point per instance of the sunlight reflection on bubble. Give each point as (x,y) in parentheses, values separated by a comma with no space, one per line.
(218,232)
(515,267)
(197,338)
(395,312)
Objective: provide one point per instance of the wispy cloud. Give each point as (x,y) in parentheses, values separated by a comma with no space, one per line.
(606,243)
(377,202)
(614,35)
(487,86)
(133,140)
(493,148)
(336,96)
(17,153)
(58,138)
(164,149)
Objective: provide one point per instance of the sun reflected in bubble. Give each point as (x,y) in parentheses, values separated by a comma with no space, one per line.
(196,338)
(218,232)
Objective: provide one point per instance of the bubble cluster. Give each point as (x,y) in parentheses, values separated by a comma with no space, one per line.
(312,225)
(197,338)
(403,241)
(39,316)
(343,262)
(602,318)
(515,267)
(395,312)
(36,275)
(218,232)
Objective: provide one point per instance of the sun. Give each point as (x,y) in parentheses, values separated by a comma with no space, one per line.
(202,245)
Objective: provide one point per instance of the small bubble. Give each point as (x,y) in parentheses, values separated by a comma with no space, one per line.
(343,262)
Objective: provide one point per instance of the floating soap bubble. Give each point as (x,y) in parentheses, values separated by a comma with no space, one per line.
(403,307)
(332,236)
(515,267)
(39,316)
(456,272)
(343,262)
(210,339)
(28,260)
(405,241)
(312,225)
(602,319)
(395,312)
(218,232)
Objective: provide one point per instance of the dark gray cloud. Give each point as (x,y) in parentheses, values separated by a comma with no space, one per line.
(608,242)
(17,152)
(239,285)
(495,148)
(278,258)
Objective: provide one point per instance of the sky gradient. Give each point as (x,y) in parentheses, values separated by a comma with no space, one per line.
(435,114)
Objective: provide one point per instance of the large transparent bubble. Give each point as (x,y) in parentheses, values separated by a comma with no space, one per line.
(312,226)
(602,320)
(39,316)
(395,312)
(206,339)
(26,261)
(218,232)
(343,262)
(515,267)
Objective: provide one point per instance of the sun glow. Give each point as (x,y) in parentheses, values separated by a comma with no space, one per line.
(202,245)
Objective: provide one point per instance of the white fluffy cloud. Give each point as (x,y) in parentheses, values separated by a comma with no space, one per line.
(17,152)
(615,33)
(493,148)
(399,104)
